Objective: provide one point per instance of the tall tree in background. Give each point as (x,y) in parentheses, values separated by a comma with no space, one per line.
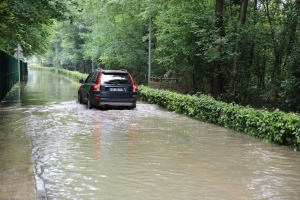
(183,36)
(117,34)
(27,22)
(290,85)
(65,49)
(217,87)
(242,21)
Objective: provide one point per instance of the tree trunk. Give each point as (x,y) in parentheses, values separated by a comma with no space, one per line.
(217,78)
(277,53)
(242,20)
(243,11)
(252,45)
(293,28)
(219,17)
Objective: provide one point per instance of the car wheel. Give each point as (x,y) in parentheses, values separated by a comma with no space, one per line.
(79,99)
(89,105)
(133,107)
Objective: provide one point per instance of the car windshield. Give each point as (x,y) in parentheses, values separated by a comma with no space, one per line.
(115,78)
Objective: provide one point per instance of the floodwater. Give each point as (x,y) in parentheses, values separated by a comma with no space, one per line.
(146,153)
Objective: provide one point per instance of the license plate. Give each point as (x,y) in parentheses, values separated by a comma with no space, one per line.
(116,89)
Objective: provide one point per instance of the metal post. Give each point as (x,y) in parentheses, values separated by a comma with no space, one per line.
(19,55)
(93,49)
(19,71)
(150,32)
(92,64)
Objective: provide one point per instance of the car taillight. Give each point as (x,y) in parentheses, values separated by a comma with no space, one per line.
(96,87)
(135,88)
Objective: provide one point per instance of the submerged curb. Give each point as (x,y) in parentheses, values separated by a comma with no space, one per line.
(40,188)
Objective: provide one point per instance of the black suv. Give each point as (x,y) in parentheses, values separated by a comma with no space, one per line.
(108,88)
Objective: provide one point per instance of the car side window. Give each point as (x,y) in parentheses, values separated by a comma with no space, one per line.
(89,78)
(94,77)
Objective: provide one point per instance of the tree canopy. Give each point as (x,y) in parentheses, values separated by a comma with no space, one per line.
(28,23)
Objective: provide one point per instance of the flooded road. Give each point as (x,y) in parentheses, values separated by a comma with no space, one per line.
(146,153)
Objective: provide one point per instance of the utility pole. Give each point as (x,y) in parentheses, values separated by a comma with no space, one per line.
(19,55)
(92,64)
(93,49)
(150,32)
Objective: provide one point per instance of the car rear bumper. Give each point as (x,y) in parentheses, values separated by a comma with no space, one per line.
(115,104)
(107,102)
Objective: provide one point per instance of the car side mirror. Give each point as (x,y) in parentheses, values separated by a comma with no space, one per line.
(81,81)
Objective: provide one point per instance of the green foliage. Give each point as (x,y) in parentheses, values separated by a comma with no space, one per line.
(277,126)
(116,35)
(290,85)
(184,34)
(290,93)
(109,34)
(71,75)
(27,23)
(65,49)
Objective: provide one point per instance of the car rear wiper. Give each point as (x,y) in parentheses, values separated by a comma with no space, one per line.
(113,82)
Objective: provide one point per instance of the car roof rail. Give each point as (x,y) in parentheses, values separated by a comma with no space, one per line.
(99,69)
(123,70)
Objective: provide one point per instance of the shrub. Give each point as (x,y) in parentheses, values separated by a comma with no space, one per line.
(71,75)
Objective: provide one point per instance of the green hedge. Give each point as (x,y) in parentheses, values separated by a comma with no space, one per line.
(72,75)
(276,127)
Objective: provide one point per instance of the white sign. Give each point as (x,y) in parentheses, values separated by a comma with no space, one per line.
(18,52)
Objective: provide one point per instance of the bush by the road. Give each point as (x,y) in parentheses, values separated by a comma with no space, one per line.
(72,75)
(277,126)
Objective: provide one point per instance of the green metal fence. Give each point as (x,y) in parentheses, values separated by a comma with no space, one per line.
(9,73)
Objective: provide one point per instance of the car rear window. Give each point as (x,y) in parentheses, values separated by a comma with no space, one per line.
(115,78)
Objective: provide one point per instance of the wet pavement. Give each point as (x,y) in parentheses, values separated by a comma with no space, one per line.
(146,153)
(16,170)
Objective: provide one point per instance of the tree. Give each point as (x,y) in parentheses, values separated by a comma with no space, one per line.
(182,38)
(116,36)
(290,86)
(242,21)
(66,46)
(217,85)
(27,22)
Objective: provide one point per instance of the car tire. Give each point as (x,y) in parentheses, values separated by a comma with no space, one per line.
(89,105)
(79,99)
(133,107)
